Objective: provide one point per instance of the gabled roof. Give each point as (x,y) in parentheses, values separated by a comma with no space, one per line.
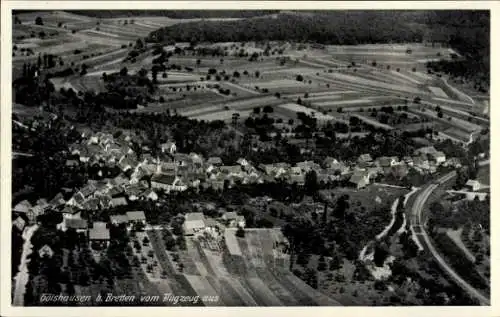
(69,210)
(24,206)
(230,169)
(136,215)
(99,231)
(230,215)
(214,160)
(118,219)
(57,200)
(163,179)
(75,223)
(365,158)
(118,201)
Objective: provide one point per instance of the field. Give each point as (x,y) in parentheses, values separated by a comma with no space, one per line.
(249,271)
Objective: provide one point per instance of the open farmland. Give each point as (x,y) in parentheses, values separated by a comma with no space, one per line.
(250,271)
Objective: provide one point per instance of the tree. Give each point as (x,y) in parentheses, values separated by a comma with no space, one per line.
(374,63)
(124,71)
(256,110)
(240,232)
(145,241)
(268,109)
(198,62)
(311,182)
(257,74)
(38,21)
(299,78)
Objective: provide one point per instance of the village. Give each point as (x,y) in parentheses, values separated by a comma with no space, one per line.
(248,170)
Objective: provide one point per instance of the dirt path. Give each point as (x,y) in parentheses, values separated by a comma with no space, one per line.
(22,277)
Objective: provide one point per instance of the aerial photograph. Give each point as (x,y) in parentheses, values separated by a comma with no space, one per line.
(250,158)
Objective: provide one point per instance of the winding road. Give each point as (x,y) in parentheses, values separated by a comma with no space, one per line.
(419,227)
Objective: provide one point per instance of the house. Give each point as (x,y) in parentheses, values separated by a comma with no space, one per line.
(168,147)
(231,170)
(70,212)
(408,160)
(360,179)
(46,251)
(23,207)
(385,161)
(19,223)
(99,233)
(473,185)
(420,163)
(194,222)
(215,184)
(150,194)
(243,162)
(133,192)
(329,161)
(35,211)
(80,225)
(72,163)
(196,159)
(307,166)
(215,161)
(118,201)
(167,183)
(453,162)
(91,204)
(136,217)
(105,201)
(77,200)
(438,157)
(57,201)
(169,168)
(118,219)
(426,150)
(120,180)
(115,191)
(182,159)
(365,158)
(234,220)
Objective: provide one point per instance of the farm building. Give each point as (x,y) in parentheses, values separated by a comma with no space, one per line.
(168,147)
(194,222)
(360,179)
(80,225)
(167,183)
(118,219)
(233,219)
(118,201)
(136,217)
(473,185)
(99,233)
(215,161)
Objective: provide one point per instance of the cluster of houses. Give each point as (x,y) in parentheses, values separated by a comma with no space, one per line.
(143,177)
(425,160)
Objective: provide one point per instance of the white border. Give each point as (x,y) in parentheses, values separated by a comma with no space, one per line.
(5,159)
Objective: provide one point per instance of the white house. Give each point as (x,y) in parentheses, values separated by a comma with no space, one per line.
(473,185)
(168,147)
(194,222)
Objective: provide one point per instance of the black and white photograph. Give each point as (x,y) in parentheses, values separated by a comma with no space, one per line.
(248,158)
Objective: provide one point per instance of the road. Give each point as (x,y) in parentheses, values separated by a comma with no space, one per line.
(422,236)
(22,277)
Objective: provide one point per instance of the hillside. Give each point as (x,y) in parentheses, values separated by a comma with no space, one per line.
(174,14)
